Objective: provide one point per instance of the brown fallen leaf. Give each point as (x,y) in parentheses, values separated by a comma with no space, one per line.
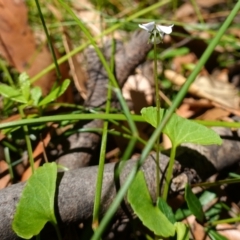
(138,90)
(186,13)
(18,46)
(17,40)
(197,230)
(5,177)
(217,91)
(229,231)
(214,114)
(208,3)
(40,60)
(185,110)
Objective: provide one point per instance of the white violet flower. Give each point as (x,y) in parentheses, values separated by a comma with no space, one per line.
(156,30)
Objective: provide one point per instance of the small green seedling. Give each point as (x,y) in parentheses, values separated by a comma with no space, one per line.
(180,130)
(31,96)
(160,219)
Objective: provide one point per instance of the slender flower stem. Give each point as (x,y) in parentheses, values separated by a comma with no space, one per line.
(157,33)
(158,115)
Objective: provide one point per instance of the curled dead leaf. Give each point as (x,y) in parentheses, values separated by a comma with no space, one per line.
(217,91)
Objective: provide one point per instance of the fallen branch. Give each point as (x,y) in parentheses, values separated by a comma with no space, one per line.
(76,189)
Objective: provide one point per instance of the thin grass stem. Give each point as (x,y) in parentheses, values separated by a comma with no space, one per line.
(27,139)
(31,120)
(8,160)
(197,11)
(97,200)
(49,40)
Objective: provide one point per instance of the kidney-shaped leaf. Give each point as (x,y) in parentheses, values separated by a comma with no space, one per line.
(36,205)
(57,92)
(181,130)
(151,216)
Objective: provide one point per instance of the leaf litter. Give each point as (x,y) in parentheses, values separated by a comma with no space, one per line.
(209,98)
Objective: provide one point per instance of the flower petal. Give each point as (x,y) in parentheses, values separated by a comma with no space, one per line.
(164,29)
(147,26)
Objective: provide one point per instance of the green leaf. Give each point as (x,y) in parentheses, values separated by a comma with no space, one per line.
(182,231)
(215,235)
(174,52)
(234,175)
(141,203)
(193,203)
(57,92)
(214,212)
(207,197)
(24,84)
(36,94)
(181,130)
(166,210)
(181,214)
(12,93)
(36,205)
